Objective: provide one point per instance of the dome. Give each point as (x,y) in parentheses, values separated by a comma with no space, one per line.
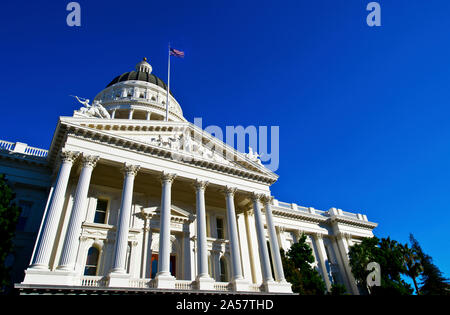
(139,76)
(140,95)
(143,73)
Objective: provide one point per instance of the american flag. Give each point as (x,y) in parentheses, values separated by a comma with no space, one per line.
(176,53)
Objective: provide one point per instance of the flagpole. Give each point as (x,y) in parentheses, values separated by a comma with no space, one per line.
(168,87)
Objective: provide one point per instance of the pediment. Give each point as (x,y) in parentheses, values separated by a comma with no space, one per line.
(180,141)
(174,211)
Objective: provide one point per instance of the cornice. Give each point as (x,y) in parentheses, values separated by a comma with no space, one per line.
(352,222)
(304,216)
(90,133)
(25,158)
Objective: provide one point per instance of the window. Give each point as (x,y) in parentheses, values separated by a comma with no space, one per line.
(128,259)
(100,211)
(223,270)
(154,266)
(25,207)
(173,265)
(270,257)
(92,262)
(220,231)
(208,232)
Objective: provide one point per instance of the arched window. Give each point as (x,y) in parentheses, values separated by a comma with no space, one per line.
(223,270)
(90,268)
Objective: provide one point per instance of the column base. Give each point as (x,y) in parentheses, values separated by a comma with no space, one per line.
(277,287)
(164,281)
(205,283)
(47,277)
(240,285)
(119,280)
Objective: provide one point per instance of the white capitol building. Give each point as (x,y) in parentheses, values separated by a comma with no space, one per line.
(126,201)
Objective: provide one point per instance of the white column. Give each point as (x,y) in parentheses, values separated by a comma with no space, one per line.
(322,258)
(240,284)
(202,254)
(232,234)
(123,225)
(69,251)
(145,260)
(130,114)
(47,237)
(113,114)
(274,248)
(342,244)
(204,281)
(253,246)
(163,278)
(187,252)
(148,115)
(262,246)
(245,251)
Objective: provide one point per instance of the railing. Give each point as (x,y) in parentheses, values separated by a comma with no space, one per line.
(141,283)
(322,213)
(99,281)
(36,152)
(304,209)
(350,215)
(254,287)
(6,145)
(23,148)
(93,281)
(184,285)
(284,204)
(221,286)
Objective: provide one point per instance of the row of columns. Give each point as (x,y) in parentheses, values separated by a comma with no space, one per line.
(44,247)
(130,114)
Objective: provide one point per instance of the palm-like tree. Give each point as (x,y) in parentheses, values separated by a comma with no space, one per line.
(412,263)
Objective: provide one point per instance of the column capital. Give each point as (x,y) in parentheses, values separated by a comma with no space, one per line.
(229,190)
(167,177)
(317,235)
(200,184)
(266,199)
(255,196)
(89,160)
(69,156)
(345,235)
(129,169)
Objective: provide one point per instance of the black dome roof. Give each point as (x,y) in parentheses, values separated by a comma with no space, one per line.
(139,76)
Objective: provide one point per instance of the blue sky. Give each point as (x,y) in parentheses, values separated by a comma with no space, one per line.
(363,112)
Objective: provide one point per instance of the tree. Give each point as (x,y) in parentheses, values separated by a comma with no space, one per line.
(298,271)
(412,264)
(432,280)
(9,215)
(338,289)
(388,254)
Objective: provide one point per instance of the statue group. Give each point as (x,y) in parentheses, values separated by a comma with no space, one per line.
(94,110)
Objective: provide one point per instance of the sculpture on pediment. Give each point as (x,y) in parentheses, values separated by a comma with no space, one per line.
(94,110)
(253,156)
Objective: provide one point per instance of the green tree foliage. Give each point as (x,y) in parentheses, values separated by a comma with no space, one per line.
(9,215)
(298,271)
(432,280)
(389,255)
(412,263)
(338,289)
